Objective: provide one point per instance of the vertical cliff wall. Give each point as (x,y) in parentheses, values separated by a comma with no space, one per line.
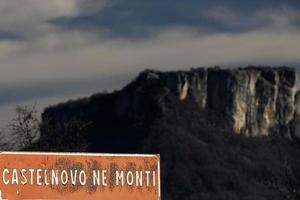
(257,99)
(296,124)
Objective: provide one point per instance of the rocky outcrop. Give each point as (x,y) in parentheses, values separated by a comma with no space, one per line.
(257,99)
(182,116)
(297,116)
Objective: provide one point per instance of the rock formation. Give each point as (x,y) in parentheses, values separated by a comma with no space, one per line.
(258,100)
(188,118)
(297,116)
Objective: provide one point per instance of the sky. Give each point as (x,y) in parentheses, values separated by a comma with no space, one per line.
(56,50)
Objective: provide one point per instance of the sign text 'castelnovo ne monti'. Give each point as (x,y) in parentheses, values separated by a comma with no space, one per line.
(79,176)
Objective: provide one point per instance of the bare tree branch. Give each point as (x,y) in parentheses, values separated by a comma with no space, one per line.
(25,124)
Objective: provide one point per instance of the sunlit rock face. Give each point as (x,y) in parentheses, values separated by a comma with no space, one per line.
(297,116)
(257,99)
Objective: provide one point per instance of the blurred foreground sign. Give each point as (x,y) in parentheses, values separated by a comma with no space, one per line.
(79,176)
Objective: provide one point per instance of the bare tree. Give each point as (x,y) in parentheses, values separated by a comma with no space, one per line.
(25,124)
(4,144)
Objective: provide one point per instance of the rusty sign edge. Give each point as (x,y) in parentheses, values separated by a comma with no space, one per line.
(79,154)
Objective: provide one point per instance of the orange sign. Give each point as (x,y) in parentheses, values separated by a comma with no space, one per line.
(38,176)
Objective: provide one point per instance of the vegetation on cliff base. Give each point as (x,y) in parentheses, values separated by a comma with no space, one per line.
(201,156)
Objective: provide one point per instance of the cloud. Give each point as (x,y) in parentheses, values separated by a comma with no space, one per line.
(77,54)
(88,7)
(30,17)
(138,18)
(65,87)
(280,18)
(244,21)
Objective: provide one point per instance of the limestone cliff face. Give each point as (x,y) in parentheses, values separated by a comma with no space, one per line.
(256,99)
(297,116)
